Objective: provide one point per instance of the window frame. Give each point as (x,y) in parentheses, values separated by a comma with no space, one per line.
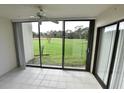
(90,42)
(113,54)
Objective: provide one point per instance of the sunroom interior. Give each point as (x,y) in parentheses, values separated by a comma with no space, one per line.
(62,46)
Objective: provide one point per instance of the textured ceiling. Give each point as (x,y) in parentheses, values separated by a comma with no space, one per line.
(53,10)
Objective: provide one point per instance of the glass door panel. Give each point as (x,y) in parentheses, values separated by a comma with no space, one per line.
(51,44)
(105,49)
(117,80)
(76,40)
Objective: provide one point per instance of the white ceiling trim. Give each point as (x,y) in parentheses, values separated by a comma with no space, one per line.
(50,19)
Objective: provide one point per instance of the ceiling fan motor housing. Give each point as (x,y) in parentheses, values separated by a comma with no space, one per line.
(41,14)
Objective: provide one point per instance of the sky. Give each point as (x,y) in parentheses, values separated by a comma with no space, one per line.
(48,26)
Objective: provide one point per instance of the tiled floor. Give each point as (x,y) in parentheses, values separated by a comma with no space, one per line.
(37,78)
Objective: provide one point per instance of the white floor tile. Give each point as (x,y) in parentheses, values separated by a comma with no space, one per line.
(37,78)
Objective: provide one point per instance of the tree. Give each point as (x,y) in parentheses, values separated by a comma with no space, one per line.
(35,35)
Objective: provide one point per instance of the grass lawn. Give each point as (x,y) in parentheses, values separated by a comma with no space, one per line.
(75,51)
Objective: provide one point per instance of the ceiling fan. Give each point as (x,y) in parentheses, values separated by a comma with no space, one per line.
(40,15)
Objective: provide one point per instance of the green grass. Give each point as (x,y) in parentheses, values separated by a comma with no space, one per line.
(75,51)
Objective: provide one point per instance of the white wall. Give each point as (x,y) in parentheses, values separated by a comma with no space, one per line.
(110,15)
(7,47)
(28,41)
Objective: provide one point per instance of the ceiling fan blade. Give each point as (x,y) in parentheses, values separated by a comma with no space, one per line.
(54,21)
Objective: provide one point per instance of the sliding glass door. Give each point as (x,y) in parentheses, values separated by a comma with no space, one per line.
(117,80)
(109,56)
(63,45)
(51,44)
(105,50)
(76,41)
